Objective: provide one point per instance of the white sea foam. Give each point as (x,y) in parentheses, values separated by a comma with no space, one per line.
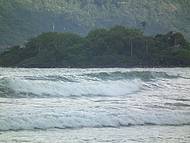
(93,98)
(45,119)
(23,87)
(105,83)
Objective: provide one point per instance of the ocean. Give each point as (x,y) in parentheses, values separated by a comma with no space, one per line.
(111,105)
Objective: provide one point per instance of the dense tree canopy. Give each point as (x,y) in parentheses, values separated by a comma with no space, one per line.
(115,47)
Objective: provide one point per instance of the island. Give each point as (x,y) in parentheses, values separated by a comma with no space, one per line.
(118,46)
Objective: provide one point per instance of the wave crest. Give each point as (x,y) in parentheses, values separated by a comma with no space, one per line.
(80,119)
(143,75)
(86,84)
(43,88)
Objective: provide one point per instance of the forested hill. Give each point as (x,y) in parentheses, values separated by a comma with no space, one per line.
(23,19)
(115,47)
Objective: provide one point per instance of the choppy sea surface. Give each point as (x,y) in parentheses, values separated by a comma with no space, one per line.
(95,105)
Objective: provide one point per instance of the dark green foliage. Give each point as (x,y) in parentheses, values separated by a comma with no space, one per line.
(115,47)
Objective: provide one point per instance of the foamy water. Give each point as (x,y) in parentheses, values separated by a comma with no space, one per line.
(95,105)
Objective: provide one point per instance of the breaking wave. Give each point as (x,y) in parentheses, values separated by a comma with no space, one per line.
(45,99)
(81,119)
(93,84)
(43,88)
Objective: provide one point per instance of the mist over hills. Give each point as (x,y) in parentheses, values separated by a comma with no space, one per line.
(23,19)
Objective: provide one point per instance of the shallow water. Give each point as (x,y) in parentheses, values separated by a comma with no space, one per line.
(95,105)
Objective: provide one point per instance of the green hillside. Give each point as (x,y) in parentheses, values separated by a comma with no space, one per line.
(23,19)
